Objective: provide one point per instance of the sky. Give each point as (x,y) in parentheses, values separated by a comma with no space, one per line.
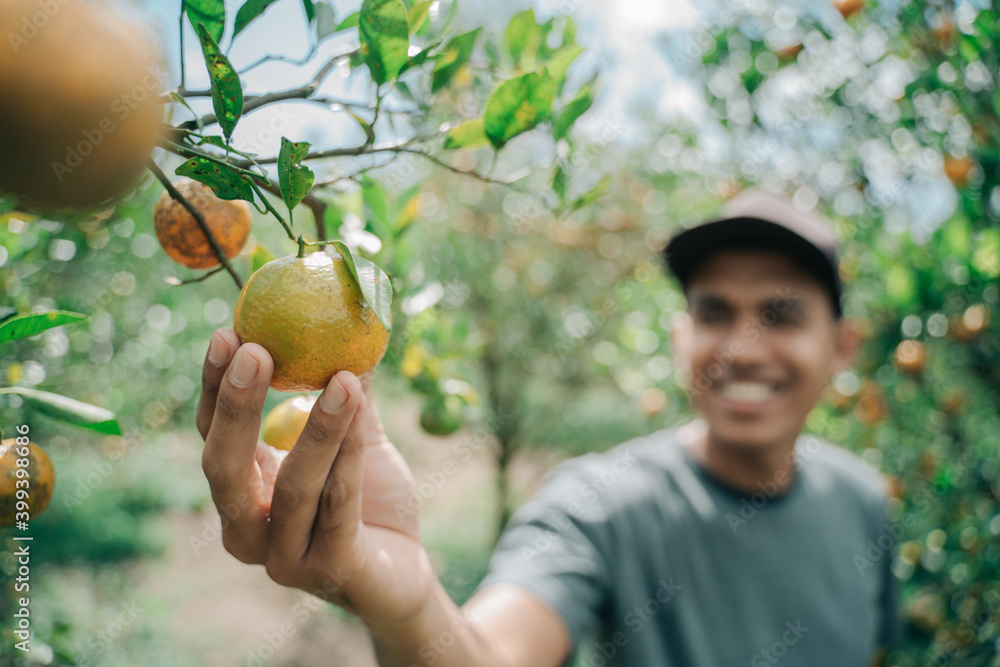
(620,38)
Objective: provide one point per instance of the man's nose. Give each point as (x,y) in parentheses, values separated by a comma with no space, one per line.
(746,342)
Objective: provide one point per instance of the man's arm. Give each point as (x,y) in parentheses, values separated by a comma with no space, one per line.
(325,519)
(502,626)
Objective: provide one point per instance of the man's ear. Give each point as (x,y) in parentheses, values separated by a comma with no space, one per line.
(681,337)
(846,343)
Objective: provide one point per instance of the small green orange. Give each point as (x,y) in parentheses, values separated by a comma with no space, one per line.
(310,315)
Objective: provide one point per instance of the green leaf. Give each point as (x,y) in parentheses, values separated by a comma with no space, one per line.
(559,183)
(350,21)
(416,16)
(226,183)
(326,20)
(259,258)
(469,134)
(376,203)
(374,284)
(901,285)
(33,324)
(385,38)
(522,39)
(558,64)
(417,60)
(518,105)
(250,10)
(310,10)
(294,178)
(227,92)
(568,114)
(174,97)
(569,31)
(592,195)
(209,13)
(455,54)
(68,410)
(986,256)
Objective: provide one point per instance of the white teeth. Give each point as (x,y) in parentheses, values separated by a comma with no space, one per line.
(748,392)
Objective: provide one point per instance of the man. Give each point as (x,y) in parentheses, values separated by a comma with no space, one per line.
(731,540)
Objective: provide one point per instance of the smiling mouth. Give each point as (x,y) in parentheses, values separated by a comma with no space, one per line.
(744,391)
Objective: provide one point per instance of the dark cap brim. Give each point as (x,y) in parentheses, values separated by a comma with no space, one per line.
(688,250)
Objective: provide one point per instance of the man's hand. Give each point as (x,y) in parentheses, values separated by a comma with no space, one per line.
(332,516)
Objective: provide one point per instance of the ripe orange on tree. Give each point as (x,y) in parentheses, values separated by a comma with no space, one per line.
(284,423)
(309,313)
(848,8)
(185,241)
(40,477)
(910,357)
(957,169)
(81,109)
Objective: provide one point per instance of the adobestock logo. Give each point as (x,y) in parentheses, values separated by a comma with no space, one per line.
(33,23)
(121,108)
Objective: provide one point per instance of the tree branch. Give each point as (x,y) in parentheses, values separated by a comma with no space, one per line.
(177,281)
(198,217)
(315,204)
(301,93)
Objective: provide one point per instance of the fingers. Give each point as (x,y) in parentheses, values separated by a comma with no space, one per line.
(305,470)
(230,449)
(340,504)
(221,349)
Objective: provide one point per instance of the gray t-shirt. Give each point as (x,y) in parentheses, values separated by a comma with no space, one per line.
(672,568)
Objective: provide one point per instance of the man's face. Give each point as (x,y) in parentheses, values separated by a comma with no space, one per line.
(761,341)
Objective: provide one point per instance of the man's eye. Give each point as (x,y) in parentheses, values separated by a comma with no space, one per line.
(788,319)
(712,317)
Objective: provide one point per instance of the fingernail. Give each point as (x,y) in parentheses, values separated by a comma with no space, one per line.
(244,369)
(218,350)
(334,397)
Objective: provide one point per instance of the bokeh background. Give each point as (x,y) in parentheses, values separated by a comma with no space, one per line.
(534,317)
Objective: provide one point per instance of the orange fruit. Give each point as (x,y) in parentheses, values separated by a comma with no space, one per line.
(181,236)
(957,169)
(848,8)
(40,477)
(283,425)
(441,416)
(309,314)
(910,357)
(81,110)
(871,408)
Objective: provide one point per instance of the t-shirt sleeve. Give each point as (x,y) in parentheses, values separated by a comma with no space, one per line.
(892,628)
(554,547)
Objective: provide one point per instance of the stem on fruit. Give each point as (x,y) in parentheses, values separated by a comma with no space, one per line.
(302,247)
(199,218)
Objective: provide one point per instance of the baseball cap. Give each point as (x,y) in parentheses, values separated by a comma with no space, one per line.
(760,220)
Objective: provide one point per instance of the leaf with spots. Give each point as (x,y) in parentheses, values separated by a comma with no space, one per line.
(294,178)
(518,105)
(209,13)
(227,92)
(385,38)
(225,183)
(375,285)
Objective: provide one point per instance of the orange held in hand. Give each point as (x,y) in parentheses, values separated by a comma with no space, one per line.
(310,315)
(81,109)
(181,236)
(283,425)
(40,477)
